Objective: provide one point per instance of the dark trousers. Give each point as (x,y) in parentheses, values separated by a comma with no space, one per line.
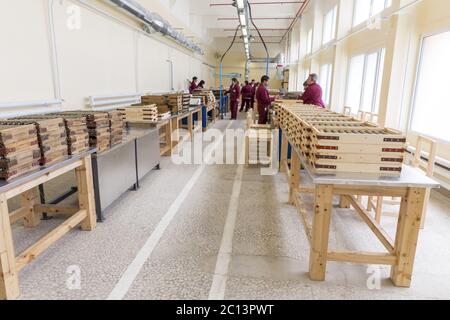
(246,104)
(252,103)
(234,109)
(262,115)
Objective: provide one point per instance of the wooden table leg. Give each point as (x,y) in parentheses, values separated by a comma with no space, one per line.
(168,131)
(86,194)
(284,153)
(294,179)
(174,133)
(28,201)
(344,203)
(407,235)
(320,232)
(9,279)
(191,125)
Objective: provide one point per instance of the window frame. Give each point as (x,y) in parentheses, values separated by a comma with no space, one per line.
(328,89)
(416,83)
(371,15)
(379,53)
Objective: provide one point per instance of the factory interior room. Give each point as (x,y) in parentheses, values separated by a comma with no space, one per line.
(224,150)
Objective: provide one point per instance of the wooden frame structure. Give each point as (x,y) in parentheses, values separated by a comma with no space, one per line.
(25,187)
(400,253)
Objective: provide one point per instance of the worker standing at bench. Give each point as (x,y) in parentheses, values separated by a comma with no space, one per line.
(247,93)
(235,93)
(313,92)
(264,100)
(193,85)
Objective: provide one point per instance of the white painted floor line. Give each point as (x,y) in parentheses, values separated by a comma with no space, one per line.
(130,274)
(218,287)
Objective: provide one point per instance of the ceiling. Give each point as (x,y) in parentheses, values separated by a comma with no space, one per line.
(272,17)
(212,23)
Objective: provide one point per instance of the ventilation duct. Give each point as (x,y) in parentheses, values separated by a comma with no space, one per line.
(157,23)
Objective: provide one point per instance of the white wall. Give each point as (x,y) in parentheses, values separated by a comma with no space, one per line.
(101,57)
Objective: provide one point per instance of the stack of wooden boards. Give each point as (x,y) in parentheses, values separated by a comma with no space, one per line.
(175,103)
(209,99)
(116,125)
(51,135)
(19,150)
(140,113)
(332,142)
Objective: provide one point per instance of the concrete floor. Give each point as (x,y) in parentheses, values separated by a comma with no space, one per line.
(171,252)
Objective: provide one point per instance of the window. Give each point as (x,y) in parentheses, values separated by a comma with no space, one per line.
(431,112)
(329,26)
(309,42)
(326,71)
(364,9)
(364,82)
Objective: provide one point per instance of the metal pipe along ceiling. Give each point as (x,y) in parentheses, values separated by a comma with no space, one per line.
(156,22)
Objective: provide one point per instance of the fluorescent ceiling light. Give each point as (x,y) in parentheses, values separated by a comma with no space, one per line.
(240,4)
(244,32)
(246,40)
(243,20)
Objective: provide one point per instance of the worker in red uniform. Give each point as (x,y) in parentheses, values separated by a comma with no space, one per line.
(235,93)
(247,94)
(254,85)
(263,99)
(193,85)
(313,93)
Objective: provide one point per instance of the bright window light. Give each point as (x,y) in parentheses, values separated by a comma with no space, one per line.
(364,9)
(243,20)
(329,26)
(326,72)
(431,112)
(309,42)
(364,82)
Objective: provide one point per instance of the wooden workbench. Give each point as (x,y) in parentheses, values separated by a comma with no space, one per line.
(411,187)
(25,187)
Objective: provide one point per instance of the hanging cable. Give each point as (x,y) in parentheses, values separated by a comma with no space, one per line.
(259,33)
(221,74)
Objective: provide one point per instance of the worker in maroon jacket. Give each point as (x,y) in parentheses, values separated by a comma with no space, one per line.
(254,86)
(235,93)
(264,100)
(247,94)
(313,93)
(193,85)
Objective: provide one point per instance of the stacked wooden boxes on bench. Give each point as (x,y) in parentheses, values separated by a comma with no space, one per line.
(141,113)
(19,150)
(76,131)
(99,129)
(51,134)
(332,142)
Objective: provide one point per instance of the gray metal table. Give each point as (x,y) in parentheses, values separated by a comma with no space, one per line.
(122,167)
(411,187)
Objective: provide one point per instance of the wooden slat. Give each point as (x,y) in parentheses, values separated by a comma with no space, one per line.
(369,191)
(381,234)
(41,180)
(86,198)
(45,242)
(362,257)
(304,217)
(18,214)
(53,209)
